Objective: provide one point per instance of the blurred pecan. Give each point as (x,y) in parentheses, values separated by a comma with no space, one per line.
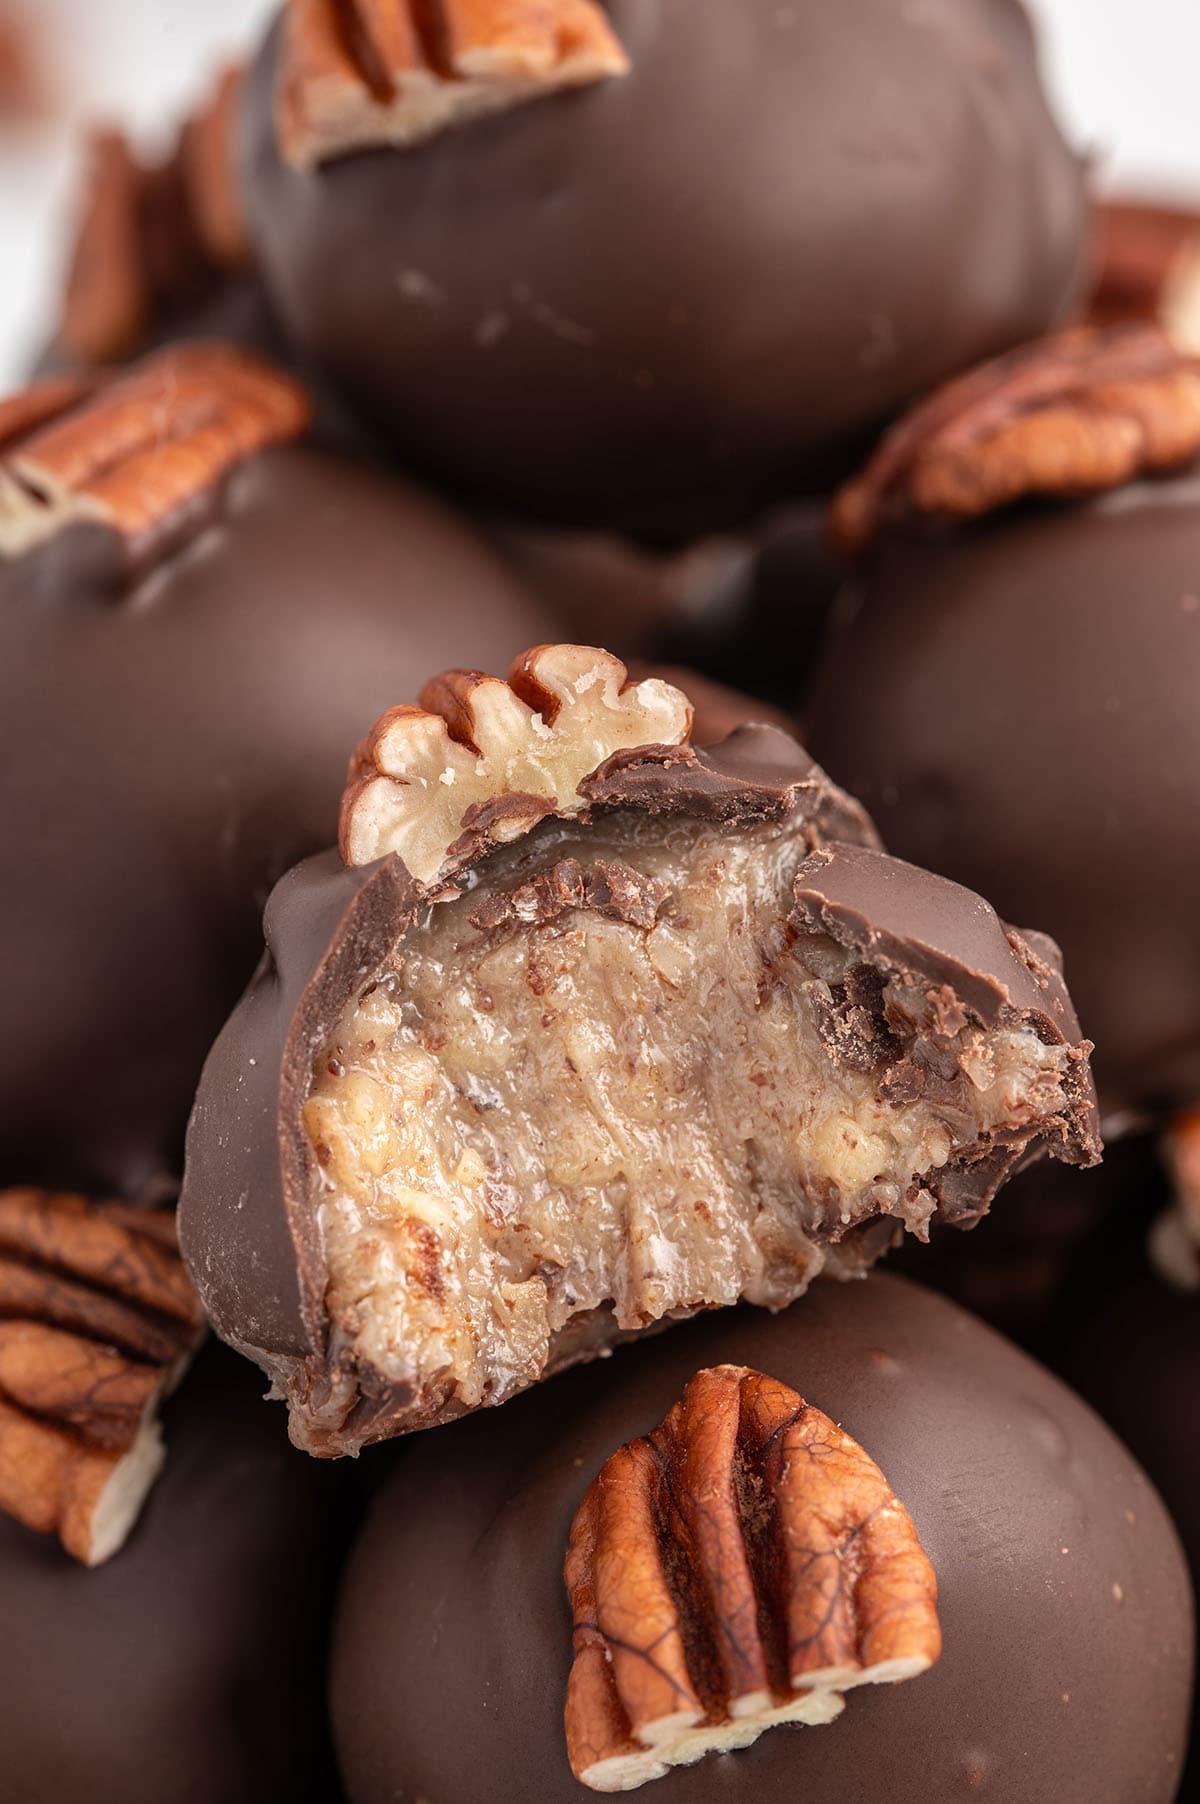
(140,452)
(1149,260)
(743,1565)
(153,237)
(1175,1237)
(22,92)
(481,761)
(97,1323)
(360,73)
(1068,416)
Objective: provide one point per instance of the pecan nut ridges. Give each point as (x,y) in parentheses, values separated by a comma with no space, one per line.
(1069,416)
(360,73)
(742,1566)
(97,1324)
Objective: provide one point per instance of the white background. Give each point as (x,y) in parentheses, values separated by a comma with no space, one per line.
(1124,73)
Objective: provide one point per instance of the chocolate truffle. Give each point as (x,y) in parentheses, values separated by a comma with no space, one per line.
(593,1029)
(1131,1342)
(689,287)
(198,617)
(191,1668)
(1015,696)
(1063,1599)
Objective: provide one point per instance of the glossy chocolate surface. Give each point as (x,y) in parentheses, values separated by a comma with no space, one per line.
(190,1668)
(597,309)
(170,742)
(1063,1598)
(1016,704)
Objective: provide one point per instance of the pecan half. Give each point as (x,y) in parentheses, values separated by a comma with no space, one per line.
(97,1323)
(742,1566)
(139,452)
(1071,415)
(356,74)
(153,237)
(481,761)
(1175,1236)
(1150,268)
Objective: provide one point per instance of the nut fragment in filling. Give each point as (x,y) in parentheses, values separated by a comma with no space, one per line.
(615,1076)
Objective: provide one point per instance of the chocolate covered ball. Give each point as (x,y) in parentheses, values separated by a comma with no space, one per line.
(1131,1342)
(690,285)
(1064,1602)
(200,616)
(1016,704)
(190,1668)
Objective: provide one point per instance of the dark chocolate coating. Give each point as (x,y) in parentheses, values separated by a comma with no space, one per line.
(190,1668)
(1131,1343)
(664,301)
(1050,1686)
(247,1224)
(1016,704)
(168,747)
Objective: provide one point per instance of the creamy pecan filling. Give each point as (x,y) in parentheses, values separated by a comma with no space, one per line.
(614,1075)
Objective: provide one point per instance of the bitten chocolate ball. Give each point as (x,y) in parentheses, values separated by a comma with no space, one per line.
(191,1668)
(1063,1599)
(589,1028)
(688,287)
(1015,698)
(199,618)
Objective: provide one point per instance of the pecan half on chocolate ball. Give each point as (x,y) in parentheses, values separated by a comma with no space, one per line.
(588,1030)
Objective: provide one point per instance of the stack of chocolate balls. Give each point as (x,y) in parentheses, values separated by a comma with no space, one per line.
(418,981)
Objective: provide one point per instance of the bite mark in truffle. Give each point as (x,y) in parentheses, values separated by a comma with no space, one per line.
(673,1051)
(1069,416)
(97,1324)
(139,452)
(744,1565)
(357,74)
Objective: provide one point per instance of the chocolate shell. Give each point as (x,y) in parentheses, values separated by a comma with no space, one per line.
(1064,1603)
(189,1669)
(898,981)
(177,703)
(592,309)
(1015,701)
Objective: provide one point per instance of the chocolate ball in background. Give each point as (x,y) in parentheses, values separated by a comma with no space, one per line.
(764,630)
(1015,703)
(595,309)
(1063,1597)
(1011,1268)
(175,727)
(1131,1342)
(191,1668)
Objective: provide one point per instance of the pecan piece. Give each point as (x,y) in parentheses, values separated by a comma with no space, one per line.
(97,1324)
(481,761)
(744,1565)
(356,74)
(1069,416)
(140,452)
(1150,268)
(153,237)
(1175,1236)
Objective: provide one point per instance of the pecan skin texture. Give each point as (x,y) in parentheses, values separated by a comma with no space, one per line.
(97,1323)
(743,1565)
(1070,416)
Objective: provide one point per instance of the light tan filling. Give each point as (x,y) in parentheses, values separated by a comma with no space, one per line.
(516,1126)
